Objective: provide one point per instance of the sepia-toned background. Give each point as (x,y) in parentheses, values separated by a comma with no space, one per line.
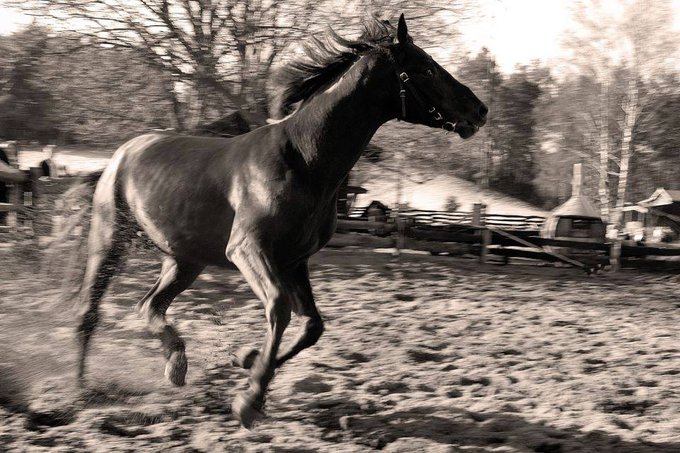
(421,352)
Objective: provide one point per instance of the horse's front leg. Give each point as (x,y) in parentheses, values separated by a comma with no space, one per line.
(271,285)
(305,307)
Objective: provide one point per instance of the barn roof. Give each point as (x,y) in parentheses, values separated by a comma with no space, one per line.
(675,195)
(578,206)
(662,197)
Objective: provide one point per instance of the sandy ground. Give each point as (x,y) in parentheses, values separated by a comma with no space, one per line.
(421,354)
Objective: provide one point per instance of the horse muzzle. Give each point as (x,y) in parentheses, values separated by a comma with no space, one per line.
(463,128)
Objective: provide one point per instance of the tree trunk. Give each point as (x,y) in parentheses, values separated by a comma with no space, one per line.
(603,142)
(631,113)
(178,120)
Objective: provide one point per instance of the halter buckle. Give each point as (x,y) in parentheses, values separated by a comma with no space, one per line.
(404,77)
(438,117)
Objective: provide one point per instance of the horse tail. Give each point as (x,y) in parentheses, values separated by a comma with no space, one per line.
(75,206)
(66,248)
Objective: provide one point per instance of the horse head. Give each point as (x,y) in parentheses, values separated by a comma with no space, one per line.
(428,94)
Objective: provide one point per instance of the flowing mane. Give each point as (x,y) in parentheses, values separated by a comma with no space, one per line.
(323,60)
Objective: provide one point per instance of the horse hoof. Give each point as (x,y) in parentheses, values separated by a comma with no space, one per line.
(245,358)
(176,368)
(246,410)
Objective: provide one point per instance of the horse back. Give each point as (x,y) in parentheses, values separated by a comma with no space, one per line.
(175,189)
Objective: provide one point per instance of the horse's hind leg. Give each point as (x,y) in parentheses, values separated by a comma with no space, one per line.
(176,276)
(105,248)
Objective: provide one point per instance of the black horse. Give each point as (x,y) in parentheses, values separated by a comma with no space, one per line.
(264,201)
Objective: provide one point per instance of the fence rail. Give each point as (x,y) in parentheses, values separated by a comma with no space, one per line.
(443,218)
(417,230)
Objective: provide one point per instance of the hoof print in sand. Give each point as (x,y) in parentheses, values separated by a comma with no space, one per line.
(129,424)
(632,407)
(421,356)
(355,357)
(114,429)
(548,447)
(311,384)
(475,380)
(389,387)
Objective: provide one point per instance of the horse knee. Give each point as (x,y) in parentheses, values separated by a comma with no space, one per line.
(279,313)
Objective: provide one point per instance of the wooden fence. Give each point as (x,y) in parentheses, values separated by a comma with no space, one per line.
(441,218)
(12,181)
(457,233)
(474,233)
(33,202)
(14,207)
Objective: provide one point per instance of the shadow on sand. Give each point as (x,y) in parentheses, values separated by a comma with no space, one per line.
(346,421)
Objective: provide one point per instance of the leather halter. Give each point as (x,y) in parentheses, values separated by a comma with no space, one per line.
(414,92)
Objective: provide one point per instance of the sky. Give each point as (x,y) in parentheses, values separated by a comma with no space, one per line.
(519,31)
(11,20)
(515,31)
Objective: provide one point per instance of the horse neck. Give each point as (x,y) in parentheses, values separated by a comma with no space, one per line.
(333,128)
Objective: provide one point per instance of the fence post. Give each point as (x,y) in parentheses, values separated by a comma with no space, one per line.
(15,197)
(486,241)
(403,225)
(41,222)
(478,221)
(478,213)
(615,255)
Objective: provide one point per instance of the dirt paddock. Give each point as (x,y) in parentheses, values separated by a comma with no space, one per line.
(420,354)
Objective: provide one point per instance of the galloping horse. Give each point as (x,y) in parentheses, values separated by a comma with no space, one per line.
(264,201)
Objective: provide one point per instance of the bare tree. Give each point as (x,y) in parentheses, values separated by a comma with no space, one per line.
(620,53)
(221,49)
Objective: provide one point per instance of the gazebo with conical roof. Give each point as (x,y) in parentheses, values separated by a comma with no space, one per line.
(577,218)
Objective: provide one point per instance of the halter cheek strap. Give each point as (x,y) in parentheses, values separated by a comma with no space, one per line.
(403,86)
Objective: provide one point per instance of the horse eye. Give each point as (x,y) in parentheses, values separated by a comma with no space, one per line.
(430,73)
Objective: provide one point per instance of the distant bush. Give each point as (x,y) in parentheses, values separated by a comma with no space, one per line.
(405,206)
(451,204)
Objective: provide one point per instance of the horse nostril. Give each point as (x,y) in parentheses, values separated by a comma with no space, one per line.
(483,110)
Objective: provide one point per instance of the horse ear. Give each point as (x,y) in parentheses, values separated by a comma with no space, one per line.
(402,31)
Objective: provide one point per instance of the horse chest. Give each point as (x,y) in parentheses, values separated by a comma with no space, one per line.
(315,230)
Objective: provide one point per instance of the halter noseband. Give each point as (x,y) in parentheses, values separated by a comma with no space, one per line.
(403,85)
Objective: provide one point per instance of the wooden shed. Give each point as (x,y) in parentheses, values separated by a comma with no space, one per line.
(656,218)
(346,196)
(577,218)
(664,200)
